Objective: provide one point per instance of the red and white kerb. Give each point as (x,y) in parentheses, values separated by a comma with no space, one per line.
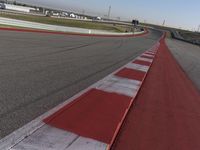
(91,120)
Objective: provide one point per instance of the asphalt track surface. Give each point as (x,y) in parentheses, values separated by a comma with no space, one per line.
(38,71)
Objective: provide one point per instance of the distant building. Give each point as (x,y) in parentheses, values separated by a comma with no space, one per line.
(56,14)
(64,14)
(2,6)
(98,18)
(19,8)
(72,15)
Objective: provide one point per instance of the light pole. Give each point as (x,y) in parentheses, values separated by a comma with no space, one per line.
(163,23)
(134,23)
(109,10)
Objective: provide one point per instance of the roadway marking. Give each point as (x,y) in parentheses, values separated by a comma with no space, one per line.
(151,51)
(139,67)
(148,55)
(50,138)
(145,59)
(124,86)
(141,62)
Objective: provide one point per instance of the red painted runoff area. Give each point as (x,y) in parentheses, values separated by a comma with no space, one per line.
(131,74)
(166,112)
(96,114)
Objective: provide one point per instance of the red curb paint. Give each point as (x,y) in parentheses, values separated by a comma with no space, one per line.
(141,62)
(68,33)
(95,115)
(131,74)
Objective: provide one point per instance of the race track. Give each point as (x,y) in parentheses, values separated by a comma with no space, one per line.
(38,71)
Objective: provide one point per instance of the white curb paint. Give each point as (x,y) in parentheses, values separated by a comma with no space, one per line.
(151,51)
(145,59)
(123,86)
(148,55)
(137,67)
(50,138)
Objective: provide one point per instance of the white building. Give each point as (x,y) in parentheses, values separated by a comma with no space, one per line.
(72,15)
(19,8)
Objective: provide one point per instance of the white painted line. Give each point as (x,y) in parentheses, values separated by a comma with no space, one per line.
(145,59)
(50,138)
(87,144)
(153,52)
(139,67)
(148,55)
(123,86)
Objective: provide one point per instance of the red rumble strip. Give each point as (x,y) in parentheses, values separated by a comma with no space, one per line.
(131,74)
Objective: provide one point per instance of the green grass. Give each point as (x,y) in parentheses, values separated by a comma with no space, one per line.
(66,22)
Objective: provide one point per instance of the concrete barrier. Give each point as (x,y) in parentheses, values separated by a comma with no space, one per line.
(41,26)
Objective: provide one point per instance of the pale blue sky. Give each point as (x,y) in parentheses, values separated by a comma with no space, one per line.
(178,13)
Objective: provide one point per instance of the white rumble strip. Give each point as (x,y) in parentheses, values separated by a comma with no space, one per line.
(137,67)
(124,86)
(50,138)
(145,59)
(148,55)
